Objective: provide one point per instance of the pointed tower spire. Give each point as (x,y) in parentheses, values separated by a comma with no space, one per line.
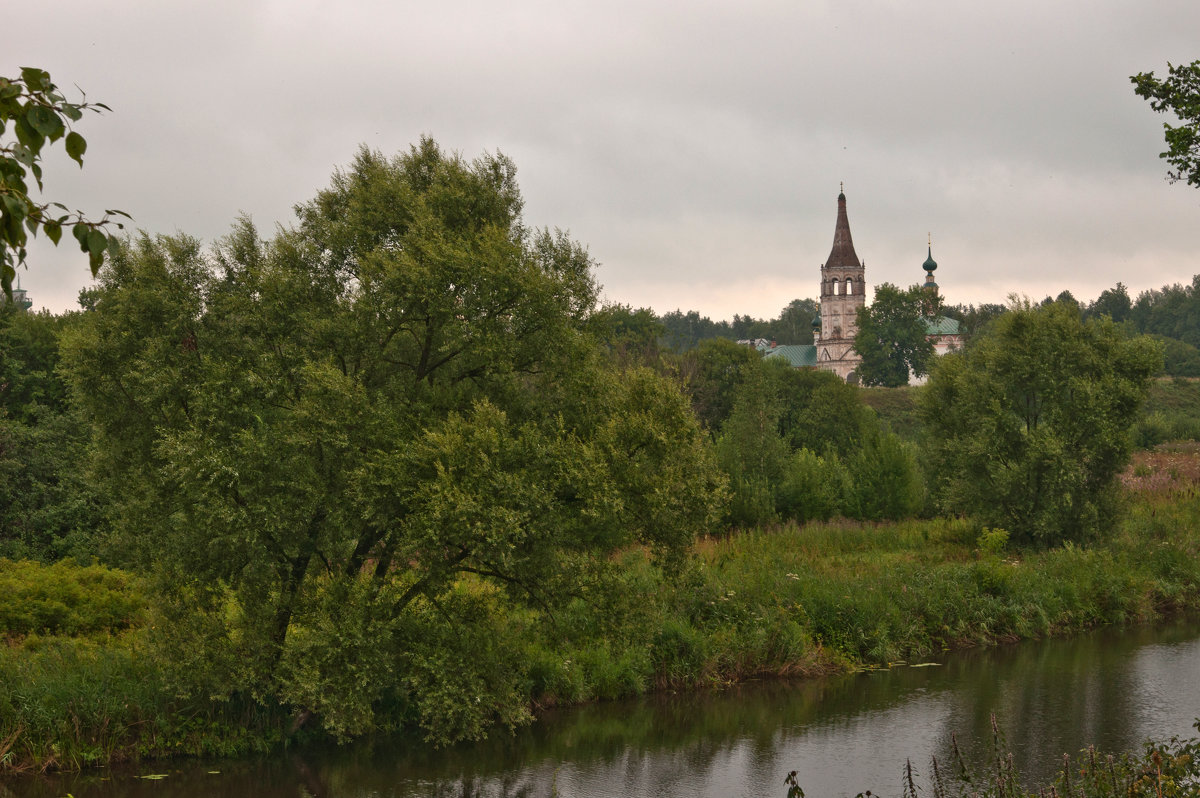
(842,256)
(843,289)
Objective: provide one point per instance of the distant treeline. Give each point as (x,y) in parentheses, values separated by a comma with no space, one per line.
(683,331)
(1170,314)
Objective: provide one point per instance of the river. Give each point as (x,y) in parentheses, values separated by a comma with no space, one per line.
(843,734)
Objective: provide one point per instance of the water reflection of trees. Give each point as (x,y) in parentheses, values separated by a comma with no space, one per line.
(1059,696)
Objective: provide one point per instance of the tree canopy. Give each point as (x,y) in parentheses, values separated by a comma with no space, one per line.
(892,337)
(1029,426)
(366,431)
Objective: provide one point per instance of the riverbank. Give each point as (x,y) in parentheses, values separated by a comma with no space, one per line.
(786,602)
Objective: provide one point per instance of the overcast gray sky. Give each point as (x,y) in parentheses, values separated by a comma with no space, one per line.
(695,147)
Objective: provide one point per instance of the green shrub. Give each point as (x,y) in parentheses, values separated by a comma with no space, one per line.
(886,482)
(812,487)
(67,599)
(1151,431)
(554,677)
(615,673)
(752,502)
(679,652)
(993,541)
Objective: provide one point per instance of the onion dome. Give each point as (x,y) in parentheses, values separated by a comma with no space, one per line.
(816,322)
(930,264)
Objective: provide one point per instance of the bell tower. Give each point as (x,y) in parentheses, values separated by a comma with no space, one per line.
(843,292)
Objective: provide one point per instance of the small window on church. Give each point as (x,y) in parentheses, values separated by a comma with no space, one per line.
(849,286)
(835,286)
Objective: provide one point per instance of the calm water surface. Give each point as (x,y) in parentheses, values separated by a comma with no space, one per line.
(844,734)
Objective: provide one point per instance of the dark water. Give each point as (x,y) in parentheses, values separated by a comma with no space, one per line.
(843,735)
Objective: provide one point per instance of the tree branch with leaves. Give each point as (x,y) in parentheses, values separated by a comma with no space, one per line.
(1178,93)
(34,113)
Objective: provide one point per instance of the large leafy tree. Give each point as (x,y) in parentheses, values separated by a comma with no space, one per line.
(751,449)
(972,319)
(366,434)
(893,338)
(28,362)
(712,374)
(1029,426)
(1179,94)
(628,335)
(47,509)
(34,113)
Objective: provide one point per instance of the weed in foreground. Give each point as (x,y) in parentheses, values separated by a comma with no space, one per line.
(1160,770)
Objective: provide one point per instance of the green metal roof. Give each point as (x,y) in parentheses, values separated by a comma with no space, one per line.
(942,325)
(798,355)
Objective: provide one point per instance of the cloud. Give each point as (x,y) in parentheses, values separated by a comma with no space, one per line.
(695,148)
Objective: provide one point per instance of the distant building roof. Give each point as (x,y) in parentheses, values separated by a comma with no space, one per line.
(20,297)
(942,325)
(798,355)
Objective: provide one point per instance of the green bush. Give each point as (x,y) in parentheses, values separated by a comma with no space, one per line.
(993,541)
(813,487)
(1161,426)
(66,599)
(615,672)
(1151,431)
(752,502)
(886,482)
(679,652)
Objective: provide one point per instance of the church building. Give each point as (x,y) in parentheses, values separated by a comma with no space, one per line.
(843,292)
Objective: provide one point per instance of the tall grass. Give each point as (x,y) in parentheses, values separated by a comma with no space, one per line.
(80,686)
(67,703)
(803,600)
